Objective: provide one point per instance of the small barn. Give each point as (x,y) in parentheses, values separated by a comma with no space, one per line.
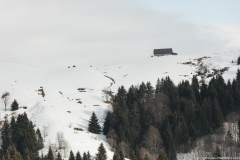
(163,52)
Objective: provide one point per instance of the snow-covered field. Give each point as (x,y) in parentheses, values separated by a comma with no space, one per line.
(64,107)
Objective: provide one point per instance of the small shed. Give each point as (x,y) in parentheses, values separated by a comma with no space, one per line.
(163,52)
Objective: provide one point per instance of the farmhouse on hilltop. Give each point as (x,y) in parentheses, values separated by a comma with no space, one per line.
(163,52)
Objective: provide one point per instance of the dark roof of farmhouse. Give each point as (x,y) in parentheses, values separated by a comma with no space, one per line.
(163,51)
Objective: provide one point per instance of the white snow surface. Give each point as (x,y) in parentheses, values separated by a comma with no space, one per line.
(61,112)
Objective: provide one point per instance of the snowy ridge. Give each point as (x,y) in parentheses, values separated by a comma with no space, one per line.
(64,107)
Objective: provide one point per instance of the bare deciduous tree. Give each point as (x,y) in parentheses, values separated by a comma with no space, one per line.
(112,138)
(5,98)
(65,147)
(45,134)
(124,147)
(62,144)
(106,93)
(60,140)
(160,107)
(152,140)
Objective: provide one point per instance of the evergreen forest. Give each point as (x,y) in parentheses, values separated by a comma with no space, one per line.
(160,121)
(145,122)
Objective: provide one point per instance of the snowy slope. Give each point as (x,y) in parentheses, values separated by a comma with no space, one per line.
(59,110)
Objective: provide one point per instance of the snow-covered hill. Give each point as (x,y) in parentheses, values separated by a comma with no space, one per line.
(72,94)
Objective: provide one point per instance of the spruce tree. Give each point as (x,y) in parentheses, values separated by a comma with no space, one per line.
(40,143)
(78,156)
(238,76)
(50,155)
(195,88)
(13,131)
(93,125)
(12,154)
(138,154)
(142,92)
(168,140)
(238,60)
(14,105)
(158,86)
(162,155)
(6,136)
(121,97)
(59,157)
(26,137)
(135,123)
(107,123)
(132,155)
(217,118)
(236,93)
(101,155)
(217,153)
(116,156)
(150,90)
(85,156)
(88,155)
(146,157)
(239,127)
(71,156)
(131,96)
(121,155)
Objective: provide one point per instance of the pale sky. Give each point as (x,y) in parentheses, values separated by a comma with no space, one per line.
(203,11)
(59,33)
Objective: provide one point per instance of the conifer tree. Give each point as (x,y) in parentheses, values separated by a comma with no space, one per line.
(101,155)
(6,136)
(121,155)
(142,92)
(203,91)
(59,157)
(107,123)
(236,93)
(158,86)
(135,123)
(162,155)
(238,76)
(40,143)
(217,118)
(238,60)
(12,154)
(133,155)
(13,131)
(85,156)
(148,119)
(88,155)
(138,154)
(93,125)
(26,137)
(14,105)
(217,153)
(71,156)
(150,90)
(131,96)
(239,127)
(3,157)
(195,88)
(121,97)
(78,156)
(116,156)
(146,157)
(50,155)
(167,137)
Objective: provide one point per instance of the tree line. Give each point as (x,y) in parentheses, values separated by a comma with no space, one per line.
(20,141)
(147,121)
